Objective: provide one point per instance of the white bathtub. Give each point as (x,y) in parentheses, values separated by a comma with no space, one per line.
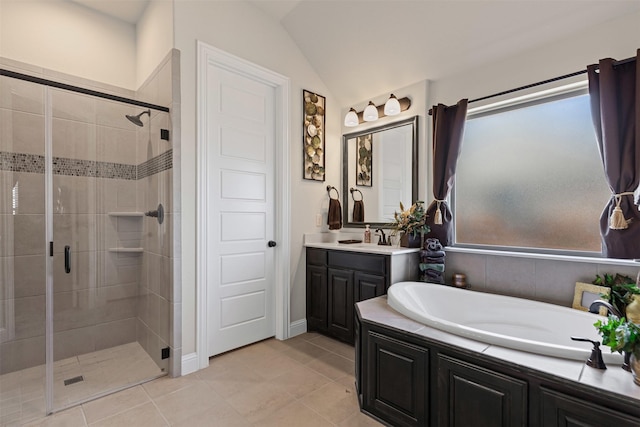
(516,323)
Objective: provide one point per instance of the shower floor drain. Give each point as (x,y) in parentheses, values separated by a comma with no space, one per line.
(73,380)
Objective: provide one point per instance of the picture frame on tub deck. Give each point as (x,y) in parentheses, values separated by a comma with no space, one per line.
(313,112)
(586,293)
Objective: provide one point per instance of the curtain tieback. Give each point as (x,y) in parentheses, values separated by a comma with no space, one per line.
(437,217)
(617,220)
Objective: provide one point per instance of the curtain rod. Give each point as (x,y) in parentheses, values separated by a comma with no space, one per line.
(77,89)
(554,79)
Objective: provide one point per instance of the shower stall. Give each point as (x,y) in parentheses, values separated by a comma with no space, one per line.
(85,275)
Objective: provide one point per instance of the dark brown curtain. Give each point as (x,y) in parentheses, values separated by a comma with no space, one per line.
(448,129)
(615,108)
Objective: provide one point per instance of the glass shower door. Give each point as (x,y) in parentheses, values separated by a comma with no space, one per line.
(97,265)
(22,251)
(84,289)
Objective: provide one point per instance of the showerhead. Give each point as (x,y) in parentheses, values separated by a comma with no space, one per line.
(136,119)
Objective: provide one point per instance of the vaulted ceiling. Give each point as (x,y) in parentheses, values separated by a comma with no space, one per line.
(365,48)
(362,48)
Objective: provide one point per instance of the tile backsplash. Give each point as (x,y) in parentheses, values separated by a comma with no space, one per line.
(544,280)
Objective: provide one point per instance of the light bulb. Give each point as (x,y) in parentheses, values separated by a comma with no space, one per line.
(392,106)
(370,113)
(351,119)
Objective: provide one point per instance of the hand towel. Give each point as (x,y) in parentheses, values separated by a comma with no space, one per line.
(334,218)
(358,211)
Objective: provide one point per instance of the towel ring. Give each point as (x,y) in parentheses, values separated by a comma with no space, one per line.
(353,190)
(331,187)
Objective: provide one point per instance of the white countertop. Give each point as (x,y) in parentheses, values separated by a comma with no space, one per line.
(330,241)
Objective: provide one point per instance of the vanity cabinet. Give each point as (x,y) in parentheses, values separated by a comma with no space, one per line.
(317,298)
(405,379)
(397,381)
(340,300)
(337,279)
(471,395)
(559,409)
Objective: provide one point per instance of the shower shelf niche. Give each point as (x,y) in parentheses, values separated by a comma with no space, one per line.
(127,250)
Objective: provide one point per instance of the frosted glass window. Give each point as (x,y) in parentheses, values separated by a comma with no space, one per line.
(531,177)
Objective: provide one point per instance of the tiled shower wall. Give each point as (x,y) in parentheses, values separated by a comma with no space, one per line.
(155,321)
(102,164)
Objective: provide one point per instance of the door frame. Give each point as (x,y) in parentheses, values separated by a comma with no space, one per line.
(208,55)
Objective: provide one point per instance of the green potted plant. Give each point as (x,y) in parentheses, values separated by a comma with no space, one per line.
(622,336)
(625,294)
(411,223)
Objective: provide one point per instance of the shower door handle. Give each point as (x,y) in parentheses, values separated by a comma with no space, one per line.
(67,259)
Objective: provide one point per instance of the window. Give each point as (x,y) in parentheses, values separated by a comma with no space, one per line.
(530,176)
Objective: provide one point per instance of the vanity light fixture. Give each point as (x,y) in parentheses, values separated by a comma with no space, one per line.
(370,113)
(351,119)
(392,107)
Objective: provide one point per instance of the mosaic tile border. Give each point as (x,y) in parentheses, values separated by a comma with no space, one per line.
(156,165)
(33,163)
(89,168)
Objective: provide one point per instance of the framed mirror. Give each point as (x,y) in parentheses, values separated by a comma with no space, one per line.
(379,170)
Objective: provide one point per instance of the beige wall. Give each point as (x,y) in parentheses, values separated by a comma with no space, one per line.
(615,39)
(64,36)
(154,38)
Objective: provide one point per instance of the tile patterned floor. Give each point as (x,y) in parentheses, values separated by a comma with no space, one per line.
(304,381)
(22,393)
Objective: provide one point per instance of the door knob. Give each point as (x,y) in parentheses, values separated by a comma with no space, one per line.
(271,243)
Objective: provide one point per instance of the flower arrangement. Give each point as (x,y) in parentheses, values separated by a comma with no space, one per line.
(412,220)
(622,289)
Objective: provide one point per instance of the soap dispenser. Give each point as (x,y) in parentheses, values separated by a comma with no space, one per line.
(367,234)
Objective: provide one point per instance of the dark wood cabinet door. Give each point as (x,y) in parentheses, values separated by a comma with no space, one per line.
(558,409)
(473,396)
(396,383)
(368,286)
(317,298)
(341,309)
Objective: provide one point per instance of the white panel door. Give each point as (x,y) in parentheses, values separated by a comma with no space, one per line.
(240,129)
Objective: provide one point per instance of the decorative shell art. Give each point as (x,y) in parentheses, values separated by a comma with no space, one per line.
(364,160)
(314,105)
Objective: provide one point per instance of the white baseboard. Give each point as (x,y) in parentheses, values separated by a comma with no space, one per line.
(189,363)
(298,327)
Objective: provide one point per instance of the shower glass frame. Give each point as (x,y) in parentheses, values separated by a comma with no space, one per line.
(54,252)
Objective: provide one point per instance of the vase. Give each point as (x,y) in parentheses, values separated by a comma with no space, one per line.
(634,363)
(409,240)
(633,310)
